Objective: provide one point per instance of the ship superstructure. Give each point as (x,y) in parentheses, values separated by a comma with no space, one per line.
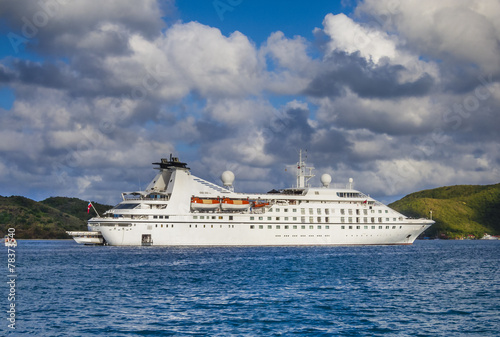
(178,208)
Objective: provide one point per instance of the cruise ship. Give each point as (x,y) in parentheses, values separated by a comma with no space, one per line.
(178,208)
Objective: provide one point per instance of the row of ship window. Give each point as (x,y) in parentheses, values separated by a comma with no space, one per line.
(320,227)
(302,219)
(288,226)
(326,219)
(328,211)
(166,226)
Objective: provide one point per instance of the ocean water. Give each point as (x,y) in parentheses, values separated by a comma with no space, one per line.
(432,288)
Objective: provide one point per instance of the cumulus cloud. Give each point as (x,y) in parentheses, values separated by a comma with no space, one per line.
(211,63)
(463,31)
(342,71)
(291,66)
(346,35)
(73,27)
(401,116)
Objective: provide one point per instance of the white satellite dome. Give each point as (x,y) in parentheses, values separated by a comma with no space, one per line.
(227,178)
(350,182)
(326,179)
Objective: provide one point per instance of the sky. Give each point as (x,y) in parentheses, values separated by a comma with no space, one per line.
(399,95)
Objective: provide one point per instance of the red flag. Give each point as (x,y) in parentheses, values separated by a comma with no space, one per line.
(88,209)
(364,202)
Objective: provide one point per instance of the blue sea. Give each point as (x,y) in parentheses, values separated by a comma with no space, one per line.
(432,288)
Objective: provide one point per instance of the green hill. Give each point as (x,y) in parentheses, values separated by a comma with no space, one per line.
(75,207)
(459,211)
(48,219)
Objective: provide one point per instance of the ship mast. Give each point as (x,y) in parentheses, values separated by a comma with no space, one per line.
(302,175)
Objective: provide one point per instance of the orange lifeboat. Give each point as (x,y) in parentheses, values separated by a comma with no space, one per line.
(235,204)
(258,204)
(204,204)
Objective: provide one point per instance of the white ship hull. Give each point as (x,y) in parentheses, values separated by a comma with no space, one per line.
(228,234)
(164,215)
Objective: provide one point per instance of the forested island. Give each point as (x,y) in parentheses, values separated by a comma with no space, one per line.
(460,212)
(47,219)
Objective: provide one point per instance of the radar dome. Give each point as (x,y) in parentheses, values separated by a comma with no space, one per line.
(350,182)
(227,178)
(326,179)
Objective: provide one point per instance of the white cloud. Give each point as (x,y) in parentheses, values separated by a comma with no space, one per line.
(464,30)
(348,36)
(290,54)
(290,68)
(211,63)
(234,112)
(189,57)
(79,27)
(102,37)
(371,146)
(374,45)
(83,183)
(412,115)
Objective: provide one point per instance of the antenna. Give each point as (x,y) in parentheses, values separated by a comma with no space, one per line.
(302,176)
